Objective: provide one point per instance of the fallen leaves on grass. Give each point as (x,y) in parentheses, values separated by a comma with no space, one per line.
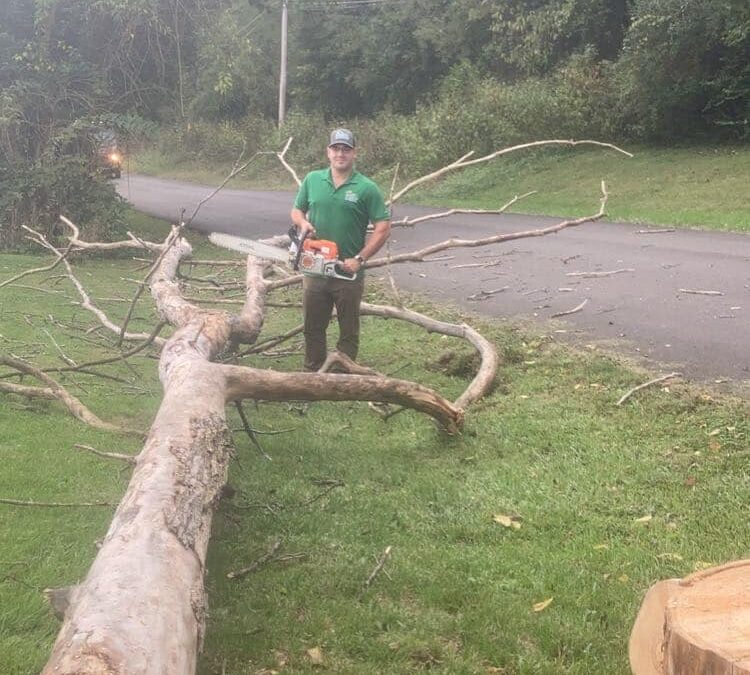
(669,556)
(513,522)
(699,565)
(541,606)
(644,519)
(315,656)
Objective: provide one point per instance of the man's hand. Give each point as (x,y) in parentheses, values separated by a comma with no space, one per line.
(351,265)
(306,229)
(304,226)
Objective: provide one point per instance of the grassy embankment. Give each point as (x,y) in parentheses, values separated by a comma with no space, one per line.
(702,187)
(607,499)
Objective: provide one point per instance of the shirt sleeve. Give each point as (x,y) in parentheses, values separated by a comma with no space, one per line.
(376,208)
(302,200)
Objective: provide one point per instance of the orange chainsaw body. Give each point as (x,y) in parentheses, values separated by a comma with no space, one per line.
(328,249)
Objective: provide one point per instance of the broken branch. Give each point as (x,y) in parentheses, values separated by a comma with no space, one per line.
(54,390)
(695,292)
(257,564)
(575,309)
(376,571)
(656,380)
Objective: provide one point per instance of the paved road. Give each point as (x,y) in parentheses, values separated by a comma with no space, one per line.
(644,313)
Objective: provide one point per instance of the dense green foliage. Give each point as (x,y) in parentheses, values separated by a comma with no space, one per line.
(70,70)
(425,81)
(672,67)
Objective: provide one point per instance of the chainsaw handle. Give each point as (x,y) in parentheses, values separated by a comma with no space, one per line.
(342,274)
(299,240)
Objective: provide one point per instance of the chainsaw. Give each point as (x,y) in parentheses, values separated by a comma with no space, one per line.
(313,257)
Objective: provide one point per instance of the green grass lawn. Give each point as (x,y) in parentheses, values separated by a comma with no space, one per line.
(700,187)
(609,499)
(705,187)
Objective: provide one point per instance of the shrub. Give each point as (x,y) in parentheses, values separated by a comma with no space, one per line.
(36,196)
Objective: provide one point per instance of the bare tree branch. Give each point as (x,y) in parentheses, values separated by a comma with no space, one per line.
(377,569)
(464,161)
(421,254)
(257,564)
(171,239)
(20,502)
(596,275)
(113,359)
(656,380)
(132,242)
(282,159)
(236,169)
(269,385)
(130,459)
(490,361)
(410,222)
(59,257)
(54,390)
(575,309)
(699,292)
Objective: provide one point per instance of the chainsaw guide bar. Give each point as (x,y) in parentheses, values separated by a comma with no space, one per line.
(249,247)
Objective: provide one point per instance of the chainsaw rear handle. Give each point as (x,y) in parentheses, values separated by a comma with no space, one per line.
(341,274)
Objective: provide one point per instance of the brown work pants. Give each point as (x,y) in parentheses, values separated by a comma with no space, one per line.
(319,296)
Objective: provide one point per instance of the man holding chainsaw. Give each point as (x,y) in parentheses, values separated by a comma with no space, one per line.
(337,204)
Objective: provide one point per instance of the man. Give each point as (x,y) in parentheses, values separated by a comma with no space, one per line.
(337,204)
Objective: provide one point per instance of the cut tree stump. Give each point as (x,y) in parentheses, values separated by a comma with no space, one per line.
(699,625)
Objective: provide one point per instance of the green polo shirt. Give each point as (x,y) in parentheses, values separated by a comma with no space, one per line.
(341,214)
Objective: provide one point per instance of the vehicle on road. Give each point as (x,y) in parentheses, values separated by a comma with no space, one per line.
(108,154)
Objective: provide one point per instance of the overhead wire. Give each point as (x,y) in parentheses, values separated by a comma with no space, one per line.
(333,5)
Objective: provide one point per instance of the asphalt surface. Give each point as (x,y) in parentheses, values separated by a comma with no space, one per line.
(645,310)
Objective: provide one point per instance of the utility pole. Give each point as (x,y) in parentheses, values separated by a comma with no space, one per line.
(282,75)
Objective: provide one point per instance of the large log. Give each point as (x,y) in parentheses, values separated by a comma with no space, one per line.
(142,605)
(141,608)
(695,626)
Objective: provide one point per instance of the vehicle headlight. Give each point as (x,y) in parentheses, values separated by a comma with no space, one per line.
(115,157)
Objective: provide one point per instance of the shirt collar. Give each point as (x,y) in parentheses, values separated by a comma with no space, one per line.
(351,179)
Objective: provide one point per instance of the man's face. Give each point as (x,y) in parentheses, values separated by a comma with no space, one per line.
(341,157)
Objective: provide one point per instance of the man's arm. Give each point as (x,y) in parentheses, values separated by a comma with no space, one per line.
(380,233)
(299,210)
(299,218)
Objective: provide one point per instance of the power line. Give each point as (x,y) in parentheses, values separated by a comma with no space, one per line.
(343,4)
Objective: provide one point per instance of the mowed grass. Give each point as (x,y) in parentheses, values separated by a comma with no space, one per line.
(609,498)
(700,187)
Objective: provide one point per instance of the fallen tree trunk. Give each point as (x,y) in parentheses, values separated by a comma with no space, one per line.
(141,609)
(696,625)
(142,606)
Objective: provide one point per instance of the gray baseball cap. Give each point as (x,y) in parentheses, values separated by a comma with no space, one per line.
(342,137)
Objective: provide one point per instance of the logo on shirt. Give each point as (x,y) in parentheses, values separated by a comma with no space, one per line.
(351,196)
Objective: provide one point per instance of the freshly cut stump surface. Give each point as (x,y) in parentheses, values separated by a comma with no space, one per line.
(698,625)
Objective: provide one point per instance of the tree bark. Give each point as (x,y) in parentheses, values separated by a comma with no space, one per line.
(696,625)
(142,606)
(141,609)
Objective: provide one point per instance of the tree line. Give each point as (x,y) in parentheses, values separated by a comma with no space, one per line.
(443,76)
